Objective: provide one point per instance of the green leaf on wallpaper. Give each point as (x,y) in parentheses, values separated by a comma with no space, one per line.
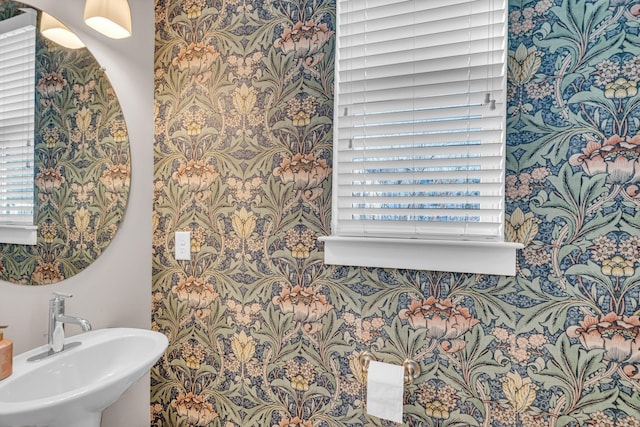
(569,78)
(478,404)
(316,392)
(602,49)
(629,403)
(596,399)
(595,97)
(430,369)
(551,142)
(403,340)
(385,300)
(548,311)
(330,339)
(415,412)
(458,419)
(551,36)
(590,271)
(632,41)
(273,331)
(572,32)
(487,303)
(478,359)
(371,421)
(341,295)
(471,368)
(630,223)
(274,198)
(256,415)
(353,417)
(573,194)
(597,225)
(276,67)
(223,404)
(564,420)
(170,317)
(568,369)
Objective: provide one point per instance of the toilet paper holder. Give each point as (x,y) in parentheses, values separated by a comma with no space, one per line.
(364,359)
(411,371)
(411,367)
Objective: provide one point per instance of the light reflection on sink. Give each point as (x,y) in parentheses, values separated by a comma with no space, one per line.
(73,387)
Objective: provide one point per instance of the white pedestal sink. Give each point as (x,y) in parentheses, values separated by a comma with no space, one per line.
(73,387)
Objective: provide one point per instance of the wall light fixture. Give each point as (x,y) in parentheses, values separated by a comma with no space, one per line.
(111,18)
(59,33)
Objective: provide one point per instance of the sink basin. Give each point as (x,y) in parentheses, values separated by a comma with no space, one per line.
(73,387)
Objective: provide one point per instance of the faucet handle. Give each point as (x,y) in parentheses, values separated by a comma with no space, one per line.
(61,295)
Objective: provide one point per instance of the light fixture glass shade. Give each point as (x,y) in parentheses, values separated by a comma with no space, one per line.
(59,33)
(109,17)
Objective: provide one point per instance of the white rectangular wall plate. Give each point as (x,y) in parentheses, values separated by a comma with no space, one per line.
(183,245)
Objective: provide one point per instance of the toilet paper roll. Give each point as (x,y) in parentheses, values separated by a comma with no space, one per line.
(385,389)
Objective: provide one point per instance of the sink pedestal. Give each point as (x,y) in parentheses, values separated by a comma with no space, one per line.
(83,420)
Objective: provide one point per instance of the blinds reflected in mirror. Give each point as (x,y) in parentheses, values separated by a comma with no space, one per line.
(420,133)
(17,103)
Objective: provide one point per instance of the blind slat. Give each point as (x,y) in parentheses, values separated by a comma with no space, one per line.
(425,152)
(372,179)
(493,189)
(408,14)
(426,79)
(435,230)
(463,113)
(418,164)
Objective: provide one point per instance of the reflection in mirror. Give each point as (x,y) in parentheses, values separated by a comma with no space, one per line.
(82,165)
(58,33)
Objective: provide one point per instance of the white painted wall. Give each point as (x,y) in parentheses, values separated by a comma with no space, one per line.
(116,289)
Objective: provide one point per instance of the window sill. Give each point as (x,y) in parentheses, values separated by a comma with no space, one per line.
(497,258)
(18,234)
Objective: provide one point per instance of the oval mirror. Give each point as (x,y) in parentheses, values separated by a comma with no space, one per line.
(82,165)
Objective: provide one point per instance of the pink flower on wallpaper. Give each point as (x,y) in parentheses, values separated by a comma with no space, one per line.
(47,272)
(50,84)
(617,156)
(195,409)
(49,179)
(617,335)
(116,178)
(307,306)
(305,39)
(306,172)
(197,59)
(196,292)
(196,175)
(441,319)
(293,422)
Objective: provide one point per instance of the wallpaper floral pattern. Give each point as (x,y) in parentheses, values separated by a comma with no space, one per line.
(262,333)
(82,166)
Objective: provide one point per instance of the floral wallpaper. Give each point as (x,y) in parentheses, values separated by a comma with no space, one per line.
(82,166)
(262,333)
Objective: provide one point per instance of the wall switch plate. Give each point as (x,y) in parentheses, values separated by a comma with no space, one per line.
(183,245)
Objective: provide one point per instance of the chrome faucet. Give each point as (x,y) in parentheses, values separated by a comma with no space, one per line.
(57,318)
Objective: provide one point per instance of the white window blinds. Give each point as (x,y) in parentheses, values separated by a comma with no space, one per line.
(420,119)
(17,102)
